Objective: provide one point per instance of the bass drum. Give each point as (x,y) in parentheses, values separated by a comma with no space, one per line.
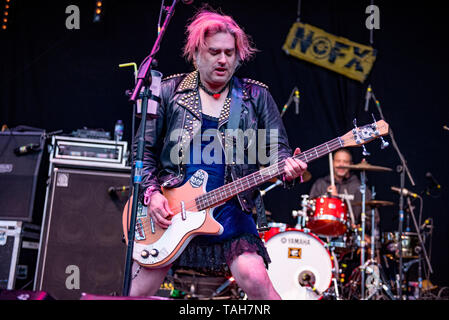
(301,266)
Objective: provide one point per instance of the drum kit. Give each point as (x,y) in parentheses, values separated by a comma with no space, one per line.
(323,256)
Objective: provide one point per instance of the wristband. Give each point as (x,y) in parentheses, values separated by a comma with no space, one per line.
(147,195)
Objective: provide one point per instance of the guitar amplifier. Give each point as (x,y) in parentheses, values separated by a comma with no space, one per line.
(19,243)
(95,153)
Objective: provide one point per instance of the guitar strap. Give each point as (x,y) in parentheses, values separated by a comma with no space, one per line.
(233,124)
(236,104)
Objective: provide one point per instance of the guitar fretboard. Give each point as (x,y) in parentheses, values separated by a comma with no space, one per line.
(224,193)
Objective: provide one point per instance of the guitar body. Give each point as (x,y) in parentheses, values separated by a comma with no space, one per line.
(157,247)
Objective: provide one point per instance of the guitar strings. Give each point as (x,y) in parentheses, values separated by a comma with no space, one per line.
(192,204)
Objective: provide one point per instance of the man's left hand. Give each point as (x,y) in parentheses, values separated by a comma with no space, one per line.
(294,167)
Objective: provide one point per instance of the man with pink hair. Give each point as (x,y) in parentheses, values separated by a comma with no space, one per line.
(212,98)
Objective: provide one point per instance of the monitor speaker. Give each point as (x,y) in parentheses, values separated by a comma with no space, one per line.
(19,174)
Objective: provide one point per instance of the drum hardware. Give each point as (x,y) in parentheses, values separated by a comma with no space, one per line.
(373,204)
(374,282)
(271,187)
(351,212)
(301,215)
(363,167)
(306,176)
(335,269)
(422,249)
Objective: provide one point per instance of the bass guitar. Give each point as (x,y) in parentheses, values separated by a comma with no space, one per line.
(155,247)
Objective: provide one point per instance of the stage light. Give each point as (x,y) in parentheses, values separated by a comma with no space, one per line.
(98,11)
(6,14)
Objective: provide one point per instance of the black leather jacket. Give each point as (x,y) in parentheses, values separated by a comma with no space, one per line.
(180,110)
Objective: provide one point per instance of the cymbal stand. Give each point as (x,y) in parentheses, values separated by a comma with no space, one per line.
(379,283)
(372,265)
(362,240)
(373,229)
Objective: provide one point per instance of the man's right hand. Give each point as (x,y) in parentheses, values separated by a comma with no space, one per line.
(159,210)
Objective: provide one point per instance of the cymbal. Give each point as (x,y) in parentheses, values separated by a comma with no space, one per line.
(375,203)
(307,176)
(365,166)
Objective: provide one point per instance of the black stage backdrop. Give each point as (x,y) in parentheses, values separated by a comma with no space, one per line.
(54,78)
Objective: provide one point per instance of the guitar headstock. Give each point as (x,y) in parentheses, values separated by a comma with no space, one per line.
(362,135)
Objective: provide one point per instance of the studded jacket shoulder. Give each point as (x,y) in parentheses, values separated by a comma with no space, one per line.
(179,120)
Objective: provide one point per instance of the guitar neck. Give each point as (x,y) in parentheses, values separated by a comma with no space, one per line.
(224,193)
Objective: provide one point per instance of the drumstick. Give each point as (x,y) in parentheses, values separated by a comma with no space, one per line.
(331,169)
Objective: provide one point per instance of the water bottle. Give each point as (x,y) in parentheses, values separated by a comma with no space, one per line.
(118,131)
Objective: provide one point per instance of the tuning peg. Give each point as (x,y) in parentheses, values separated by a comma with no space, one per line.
(385,144)
(365,152)
(355,132)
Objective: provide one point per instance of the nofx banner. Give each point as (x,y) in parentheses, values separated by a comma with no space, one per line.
(326,50)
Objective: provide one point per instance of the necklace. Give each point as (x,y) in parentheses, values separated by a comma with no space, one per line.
(216,95)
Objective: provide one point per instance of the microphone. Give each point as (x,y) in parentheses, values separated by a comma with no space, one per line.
(223,286)
(433,181)
(425,224)
(113,190)
(29,148)
(405,192)
(367,98)
(296,99)
(295,96)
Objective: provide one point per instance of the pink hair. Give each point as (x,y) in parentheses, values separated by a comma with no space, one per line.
(207,23)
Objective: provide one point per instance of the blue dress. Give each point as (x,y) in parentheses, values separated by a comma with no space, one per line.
(214,253)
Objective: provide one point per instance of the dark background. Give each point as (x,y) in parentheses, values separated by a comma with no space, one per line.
(54,78)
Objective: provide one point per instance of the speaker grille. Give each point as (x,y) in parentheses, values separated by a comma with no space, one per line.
(83,229)
(18,175)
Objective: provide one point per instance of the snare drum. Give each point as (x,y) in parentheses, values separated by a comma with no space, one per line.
(301,266)
(329,216)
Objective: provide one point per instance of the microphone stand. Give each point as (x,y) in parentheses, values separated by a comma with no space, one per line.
(402,169)
(143,80)
(289,101)
(421,243)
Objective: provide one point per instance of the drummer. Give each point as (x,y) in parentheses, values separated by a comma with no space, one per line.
(346,180)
